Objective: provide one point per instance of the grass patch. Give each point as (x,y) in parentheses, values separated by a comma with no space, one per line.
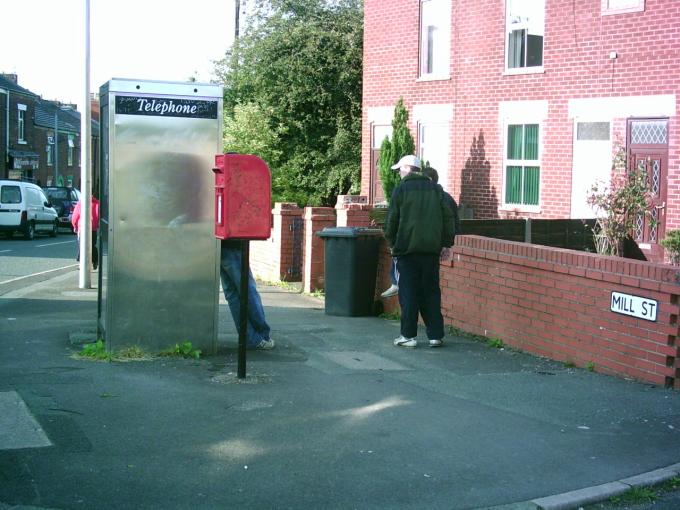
(133,353)
(183,350)
(671,484)
(496,343)
(281,284)
(394,315)
(590,366)
(317,293)
(569,364)
(95,351)
(635,496)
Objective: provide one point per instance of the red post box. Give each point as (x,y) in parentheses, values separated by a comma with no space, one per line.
(242,197)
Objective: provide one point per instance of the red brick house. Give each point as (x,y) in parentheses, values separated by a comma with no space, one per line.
(520,104)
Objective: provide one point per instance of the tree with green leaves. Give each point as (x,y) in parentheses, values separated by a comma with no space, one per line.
(392,151)
(297,70)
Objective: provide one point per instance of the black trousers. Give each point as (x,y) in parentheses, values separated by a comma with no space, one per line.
(95,250)
(419,293)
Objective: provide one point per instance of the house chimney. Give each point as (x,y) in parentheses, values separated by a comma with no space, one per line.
(11,77)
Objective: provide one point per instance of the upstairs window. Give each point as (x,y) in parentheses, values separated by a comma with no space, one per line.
(524,26)
(21,123)
(435,35)
(622,6)
(70,150)
(522,165)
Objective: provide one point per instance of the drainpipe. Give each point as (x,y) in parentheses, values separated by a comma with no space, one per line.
(56,148)
(6,92)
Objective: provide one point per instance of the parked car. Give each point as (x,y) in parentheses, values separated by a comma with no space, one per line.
(64,200)
(25,208)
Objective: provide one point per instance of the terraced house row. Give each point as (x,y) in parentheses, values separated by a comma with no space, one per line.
(40,139)
(521,105)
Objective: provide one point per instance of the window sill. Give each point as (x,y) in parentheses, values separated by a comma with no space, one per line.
(433,77)
(612,12)
(524,70)
(22,142)
(519,208)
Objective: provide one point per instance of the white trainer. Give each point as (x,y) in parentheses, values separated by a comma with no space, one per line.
(402,341)
(265,345)
(392,291)
(436,343)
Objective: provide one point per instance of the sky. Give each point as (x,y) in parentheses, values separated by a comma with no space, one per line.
(43,42)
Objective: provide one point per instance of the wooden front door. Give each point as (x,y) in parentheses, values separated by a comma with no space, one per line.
(648,150)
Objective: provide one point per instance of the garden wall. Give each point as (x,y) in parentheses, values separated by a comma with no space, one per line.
(557,303)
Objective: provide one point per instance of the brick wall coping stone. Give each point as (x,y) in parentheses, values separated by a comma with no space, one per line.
(637,273)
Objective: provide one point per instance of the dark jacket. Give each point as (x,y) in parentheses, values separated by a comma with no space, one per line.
(419,219)
(451,203)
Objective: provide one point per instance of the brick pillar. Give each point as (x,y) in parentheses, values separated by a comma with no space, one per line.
(275,258)
(316,218)
(353,211)
(354,215)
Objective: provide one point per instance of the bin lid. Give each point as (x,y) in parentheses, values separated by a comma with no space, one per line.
(349,232)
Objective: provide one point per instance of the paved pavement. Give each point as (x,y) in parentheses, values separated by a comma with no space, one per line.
(334,417)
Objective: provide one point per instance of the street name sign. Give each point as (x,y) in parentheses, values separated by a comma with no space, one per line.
(635,306)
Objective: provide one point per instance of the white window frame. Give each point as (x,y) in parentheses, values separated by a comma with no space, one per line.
(434,50)
(436,117)
(522,69)
(48,150)
(610,7)
(21,123)
(522,112)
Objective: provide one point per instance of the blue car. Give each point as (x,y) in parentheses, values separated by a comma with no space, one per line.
(64,200)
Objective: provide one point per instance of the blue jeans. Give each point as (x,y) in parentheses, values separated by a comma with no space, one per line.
(394,273)
(419,292)
(230,274)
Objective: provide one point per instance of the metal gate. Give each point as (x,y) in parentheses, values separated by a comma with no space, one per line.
(294,271)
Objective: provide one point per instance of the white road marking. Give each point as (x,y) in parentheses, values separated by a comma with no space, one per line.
(54,244)
(38,274)
(18,427)
(5,251)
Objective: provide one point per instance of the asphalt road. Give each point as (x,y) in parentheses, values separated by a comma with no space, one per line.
(41,258)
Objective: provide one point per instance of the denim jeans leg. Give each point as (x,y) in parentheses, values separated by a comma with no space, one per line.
(230,274)
(394,272)
(256,311)
(431,303)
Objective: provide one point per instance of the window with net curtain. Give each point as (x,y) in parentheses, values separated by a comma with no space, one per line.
(525,20)
(522,166)
(435,21)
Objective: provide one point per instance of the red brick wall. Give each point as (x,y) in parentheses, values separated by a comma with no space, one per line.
(556,303)
(576,63)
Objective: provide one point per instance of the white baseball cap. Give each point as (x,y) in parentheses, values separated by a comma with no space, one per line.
(409,160)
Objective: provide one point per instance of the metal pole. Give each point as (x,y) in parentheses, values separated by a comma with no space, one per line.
(237,15)
(527,230)
(56,148)
(85,164)
(243,309)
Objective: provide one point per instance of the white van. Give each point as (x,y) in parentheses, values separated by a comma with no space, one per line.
(24,208)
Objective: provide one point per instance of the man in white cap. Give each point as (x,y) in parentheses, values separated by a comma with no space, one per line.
(405,165)
(419,224)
